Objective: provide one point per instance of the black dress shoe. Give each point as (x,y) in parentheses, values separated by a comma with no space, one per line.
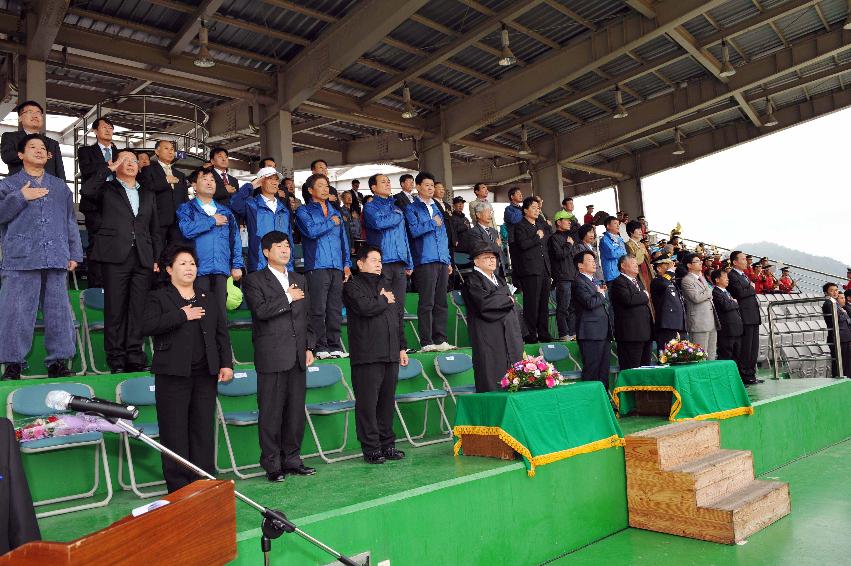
(300,471)
(392,453)
(117,369)
(134,368)
(374,457)
(13,371)
(275,476)
(753,382)
(58,369)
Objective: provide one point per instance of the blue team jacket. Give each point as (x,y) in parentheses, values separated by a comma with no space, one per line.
(260,220)
(219,248)
(326,244)
(430,242)
(385,228)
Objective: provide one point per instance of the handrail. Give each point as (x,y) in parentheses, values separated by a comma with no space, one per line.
(773,346)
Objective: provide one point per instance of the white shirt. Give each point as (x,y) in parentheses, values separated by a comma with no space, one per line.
(491,278)
(590,277)
(284,279)
(272,203)
(209,208)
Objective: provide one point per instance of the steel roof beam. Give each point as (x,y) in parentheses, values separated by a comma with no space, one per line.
(190,27)
(43,20)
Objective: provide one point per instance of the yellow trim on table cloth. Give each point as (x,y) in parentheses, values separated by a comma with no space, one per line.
(678,404)
(534,461)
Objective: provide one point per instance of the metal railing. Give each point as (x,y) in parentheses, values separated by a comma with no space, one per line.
(772,330)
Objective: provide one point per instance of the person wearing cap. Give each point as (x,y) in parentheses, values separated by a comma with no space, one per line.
(730,329)
(589,215)
(561,248)
(612,247)
(785,284)
(701,317)
(769,281)
(262,213)
(847,283)
(668,303)
(170,187)
(757,278)
(212,227)
(91,159)
(327,265)
(30,121)
(459,221)
(494,326)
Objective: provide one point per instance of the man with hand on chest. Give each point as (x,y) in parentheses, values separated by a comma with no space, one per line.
(633,320)
(169,186)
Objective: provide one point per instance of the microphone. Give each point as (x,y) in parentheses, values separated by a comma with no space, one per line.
(62,401)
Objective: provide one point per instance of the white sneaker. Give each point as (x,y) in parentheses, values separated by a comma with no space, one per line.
(429,348)
(444,346)
(339,354)
(323,355)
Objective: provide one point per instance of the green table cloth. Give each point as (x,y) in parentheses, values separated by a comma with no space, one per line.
(701,390)
(543,425)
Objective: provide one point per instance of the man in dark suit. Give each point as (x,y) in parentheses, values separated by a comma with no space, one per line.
(226,184)
(283,348)
(128,245)
(169,186)
(668,303)
(633,320)
(406,195)
(561,248)
(593,323)
(18,524)
(730,328)
(483,234)
(830,309)
(743,291)
(532,268)
(460,223)
(91,159)
(30,121)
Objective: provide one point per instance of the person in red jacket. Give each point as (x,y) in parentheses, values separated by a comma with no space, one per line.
(589,218)
(769,281)
(757,277)
(785,283)
(848,283)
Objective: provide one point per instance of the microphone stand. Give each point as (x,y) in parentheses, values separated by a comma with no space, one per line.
(275,523)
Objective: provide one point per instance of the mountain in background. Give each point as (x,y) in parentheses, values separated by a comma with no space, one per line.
(794,257)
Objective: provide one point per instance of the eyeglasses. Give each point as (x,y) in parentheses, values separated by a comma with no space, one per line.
(34,111)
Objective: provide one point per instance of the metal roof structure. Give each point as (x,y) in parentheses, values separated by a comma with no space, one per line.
(338,68)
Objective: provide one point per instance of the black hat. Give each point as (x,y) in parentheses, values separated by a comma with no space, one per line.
(767,265)
(483,248)
(664,258)
(784,269)
(456,200)
(589,206)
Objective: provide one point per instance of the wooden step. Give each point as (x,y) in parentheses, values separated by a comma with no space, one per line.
(672,445)
(716,475)
(753,507)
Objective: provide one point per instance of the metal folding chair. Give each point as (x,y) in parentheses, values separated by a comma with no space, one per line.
(139,392)
(243,384)
(413,370)
(325,377)
(556,352)
(92,299)
(449,365)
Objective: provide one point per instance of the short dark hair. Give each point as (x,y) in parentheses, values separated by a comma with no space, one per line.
(580,257)
(198,172)
(265,159)
(422,176)
(311,181)
(478,185)
(170,253)
(529,201)
(632,226)
(690,257)
(97,122)
(622,260)
(716,275)
(583,231)
(217,150)
(566,200)
(405,177)
(827,286)
(609,219)
(735,254)
(356,182)
(513,190)
(373,180)
(173,144)
(22,144)
(26,103)
(272,238)
(315,161)
(847,293)
(365,250)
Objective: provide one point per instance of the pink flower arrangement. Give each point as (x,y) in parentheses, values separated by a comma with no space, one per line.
(681,352)
(532,372)
(63,425)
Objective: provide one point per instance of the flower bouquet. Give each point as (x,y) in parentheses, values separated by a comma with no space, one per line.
(532,372)
(681,352)
(63,425)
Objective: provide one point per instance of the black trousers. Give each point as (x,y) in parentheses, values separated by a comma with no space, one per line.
(326,308)
(186,408)
(170,235)
(125,288)
(633,354)
(431,280)
(565,317)
(729,347)
(595,360)
(749,352)
(393,279)
(280,398)
(845,348)
(217,285)
(375,388)
(536,296)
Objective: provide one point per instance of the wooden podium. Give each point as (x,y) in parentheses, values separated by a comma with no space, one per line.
(197,527)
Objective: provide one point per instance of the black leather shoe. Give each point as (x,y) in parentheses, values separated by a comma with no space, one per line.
(392,453)
(300,471)
(275,476)
(117,369)
(753,382)
(134,368)
(58,369)
(373,458)
(13,371)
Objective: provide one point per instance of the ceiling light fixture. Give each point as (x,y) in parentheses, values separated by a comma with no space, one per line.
(409,112)
(506,58)
(770,121)
(679,148)
(727,69)
(203,59)
(620,110)
(524,141)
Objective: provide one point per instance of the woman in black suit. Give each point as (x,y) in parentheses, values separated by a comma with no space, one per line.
(192,353)
(532,270)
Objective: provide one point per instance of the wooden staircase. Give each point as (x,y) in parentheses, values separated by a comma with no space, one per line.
(680,481)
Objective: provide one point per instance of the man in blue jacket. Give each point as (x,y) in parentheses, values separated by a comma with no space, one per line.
(40,243)
(262,213)
(327,264)
(432,266)
(612,247)
(214,230)
(385,229)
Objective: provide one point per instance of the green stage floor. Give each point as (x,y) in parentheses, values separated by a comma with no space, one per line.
(816,532)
